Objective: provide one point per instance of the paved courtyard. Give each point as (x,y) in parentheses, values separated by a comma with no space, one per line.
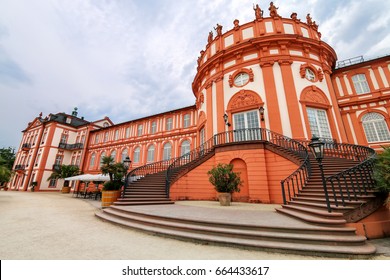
(55,226)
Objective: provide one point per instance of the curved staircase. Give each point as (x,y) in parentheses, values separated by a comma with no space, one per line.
(304,222)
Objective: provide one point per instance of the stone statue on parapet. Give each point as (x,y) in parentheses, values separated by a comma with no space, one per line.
(273,11)
(258,11)
(210,38)
(218,29)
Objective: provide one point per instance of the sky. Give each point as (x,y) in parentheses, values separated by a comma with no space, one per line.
(128,59)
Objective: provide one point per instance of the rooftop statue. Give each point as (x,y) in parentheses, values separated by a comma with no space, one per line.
(258,11)
(210,38)
(308,19)
(218,29)
(273,11)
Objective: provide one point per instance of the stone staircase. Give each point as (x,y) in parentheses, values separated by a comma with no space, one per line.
(248,229)
(310,205)
(147,190)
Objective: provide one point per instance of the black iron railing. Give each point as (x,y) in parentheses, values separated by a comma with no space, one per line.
(75,146)
(192,158)
(144,170)
(354,181)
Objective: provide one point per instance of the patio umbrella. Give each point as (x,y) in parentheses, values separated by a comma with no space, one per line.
(89,177)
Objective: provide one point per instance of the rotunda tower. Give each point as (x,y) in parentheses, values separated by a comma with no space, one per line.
(272,72)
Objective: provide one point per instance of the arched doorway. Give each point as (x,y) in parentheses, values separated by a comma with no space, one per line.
(240,166)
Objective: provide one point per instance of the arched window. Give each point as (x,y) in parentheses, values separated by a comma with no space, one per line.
(101,158)
(113,155)
(137,154)
(375,127)
(185,147)
(124,154)
(151,153)
(167,153)
(92,160)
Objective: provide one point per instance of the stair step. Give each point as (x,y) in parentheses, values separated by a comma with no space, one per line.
(310,218)
(322,213)
(323,205)
(293,240)
(146,202)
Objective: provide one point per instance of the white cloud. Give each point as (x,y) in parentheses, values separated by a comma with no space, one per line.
(129,59)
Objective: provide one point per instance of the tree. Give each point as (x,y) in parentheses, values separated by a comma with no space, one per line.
(63,172)
(116,172)
(5,172)
(7,158)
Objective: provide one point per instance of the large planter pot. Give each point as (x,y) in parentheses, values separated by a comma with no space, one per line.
(65,190)
(109,197)
(224,199)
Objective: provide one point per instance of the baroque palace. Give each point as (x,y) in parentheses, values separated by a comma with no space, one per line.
(262,90)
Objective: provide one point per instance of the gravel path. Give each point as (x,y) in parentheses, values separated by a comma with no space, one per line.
(55,226)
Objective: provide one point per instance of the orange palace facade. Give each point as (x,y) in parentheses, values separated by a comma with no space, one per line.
(273,73)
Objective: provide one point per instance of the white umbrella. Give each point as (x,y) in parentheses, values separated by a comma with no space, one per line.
(89,177)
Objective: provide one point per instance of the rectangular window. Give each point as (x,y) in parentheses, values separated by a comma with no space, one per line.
(169,124)
(360,84)
(63,138)
(318,122)
(116,134)
(127,132)
(186,121)
(247,126)
(97,138)
(105,137)
(137,153)
(139,131)
(153,128)
(52,183)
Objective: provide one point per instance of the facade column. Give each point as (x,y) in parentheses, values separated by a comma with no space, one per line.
(291,97)
(209,111)
(273,111)
(335,107)
(220,104)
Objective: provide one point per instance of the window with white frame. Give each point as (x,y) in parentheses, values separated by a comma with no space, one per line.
(153,127)
(113,155)
(150,157)
(101,158)
(167,151)
(245,124)
(186,120)
(185,147)
(360,84)
(105,137)
(139,130)
(375,127)
(127,132)
(124,154)
(318,122)
(169,124)
(137,155)
(92,160)
(116,134)
(96,138)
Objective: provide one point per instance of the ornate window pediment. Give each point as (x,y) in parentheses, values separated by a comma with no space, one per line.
(244,100)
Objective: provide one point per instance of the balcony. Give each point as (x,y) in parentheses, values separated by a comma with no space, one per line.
(70,147)
(20,167)
(26,146)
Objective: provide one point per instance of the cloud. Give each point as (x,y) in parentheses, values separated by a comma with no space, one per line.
(130,59)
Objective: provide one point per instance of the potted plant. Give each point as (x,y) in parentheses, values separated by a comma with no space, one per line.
(62,172)
(33,185)
(112,188)
(225,182)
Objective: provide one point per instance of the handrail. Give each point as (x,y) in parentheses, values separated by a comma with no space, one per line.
(355,180)
(234,136)
(144,170)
